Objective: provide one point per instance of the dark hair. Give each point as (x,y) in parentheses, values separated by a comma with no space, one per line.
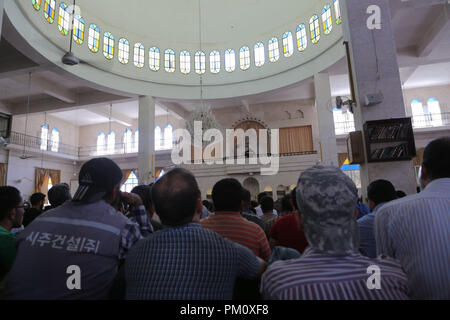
(286,205)
(175,197)
(208,205)
(381,191)
(145,193)
(36,198)
(253,204)
(294,198)
(9,199)
(266,204)
(400,194)
(58,194)
(246,196)
(436,158)
(227,195)
(260,196)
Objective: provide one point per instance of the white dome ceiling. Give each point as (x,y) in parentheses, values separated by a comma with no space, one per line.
(223,22)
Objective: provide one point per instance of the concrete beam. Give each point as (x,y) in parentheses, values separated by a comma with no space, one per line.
(439,30)
(86,99)
(115,116)
(175,107)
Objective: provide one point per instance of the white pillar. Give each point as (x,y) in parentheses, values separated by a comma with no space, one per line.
(2,3)
(146,156)
(328,147)
(375,70)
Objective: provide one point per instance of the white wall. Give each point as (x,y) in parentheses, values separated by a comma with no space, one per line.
(68,133)
(21,173)
(442,93)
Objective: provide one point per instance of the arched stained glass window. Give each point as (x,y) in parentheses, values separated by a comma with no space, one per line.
(36,4)
(230,60)
(327,20)
(288,44)
(214,61)
(337,11)
(78,29)
(168,137)
(158,138)
(154,59)
(244,58)
(49,10)
(274,50)
(260,58)
(139,55)
(169,60)
(101,140)
(111,143)
(64,19)
(94,38)
(200,62)
(54,140)
(44,137)
(108,45)
(302,39)
(127,141)
(136,141)
(130,183)
(124,51)
(185,62)
(314,28)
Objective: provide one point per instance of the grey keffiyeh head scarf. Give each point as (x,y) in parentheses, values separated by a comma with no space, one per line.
(327,198)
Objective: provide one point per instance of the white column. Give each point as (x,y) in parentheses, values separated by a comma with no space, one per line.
(328,147)
(146,156)
(367,27)
(2,3)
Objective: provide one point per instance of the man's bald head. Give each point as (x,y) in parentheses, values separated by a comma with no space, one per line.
(175,197)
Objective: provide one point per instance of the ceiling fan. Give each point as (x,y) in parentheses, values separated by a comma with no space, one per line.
(69,58)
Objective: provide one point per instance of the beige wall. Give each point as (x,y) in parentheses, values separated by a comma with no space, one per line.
(88,134)
(69,133)
(442,93)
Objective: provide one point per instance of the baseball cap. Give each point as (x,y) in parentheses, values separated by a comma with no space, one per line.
(97,178)
(327,198)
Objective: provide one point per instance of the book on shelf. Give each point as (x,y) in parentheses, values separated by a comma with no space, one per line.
(389,132)
(390,152)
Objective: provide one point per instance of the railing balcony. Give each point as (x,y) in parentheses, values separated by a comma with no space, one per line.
(36,143)
(432,120)
(344,127)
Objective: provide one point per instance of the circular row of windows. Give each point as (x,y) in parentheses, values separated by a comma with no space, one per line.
(154,54)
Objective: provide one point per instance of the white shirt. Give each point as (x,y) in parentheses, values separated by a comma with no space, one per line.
(416,231)
(259,212)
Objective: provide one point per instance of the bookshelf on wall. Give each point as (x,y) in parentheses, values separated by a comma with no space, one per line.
(389,140)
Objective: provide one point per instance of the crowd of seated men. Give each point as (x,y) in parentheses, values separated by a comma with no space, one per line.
(162,242)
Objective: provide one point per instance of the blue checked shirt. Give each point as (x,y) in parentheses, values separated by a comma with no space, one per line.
(186,263)
(136,229)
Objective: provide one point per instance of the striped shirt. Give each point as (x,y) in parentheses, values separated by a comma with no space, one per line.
(416,231)
(317,276)
(186,263)
(231,225)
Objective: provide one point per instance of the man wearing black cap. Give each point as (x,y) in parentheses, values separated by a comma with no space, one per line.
(73,251)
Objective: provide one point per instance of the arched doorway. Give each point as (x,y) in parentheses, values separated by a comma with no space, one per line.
(252,185)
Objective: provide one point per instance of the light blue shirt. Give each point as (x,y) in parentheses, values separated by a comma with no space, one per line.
(416,231)
(367,242)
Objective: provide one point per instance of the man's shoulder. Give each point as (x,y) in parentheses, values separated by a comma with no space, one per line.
(366,220)
(6,236)
(399,204)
